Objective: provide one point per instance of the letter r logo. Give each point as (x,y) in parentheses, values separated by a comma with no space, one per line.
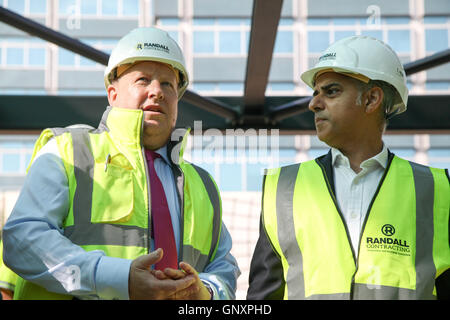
(388,230)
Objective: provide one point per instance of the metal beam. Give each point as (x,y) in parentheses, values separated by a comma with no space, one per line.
(265,18)
(36,29)
(299,106)
(426,114)
(211,105)
(428,62)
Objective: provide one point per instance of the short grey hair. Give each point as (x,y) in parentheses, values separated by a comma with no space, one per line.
(390,96)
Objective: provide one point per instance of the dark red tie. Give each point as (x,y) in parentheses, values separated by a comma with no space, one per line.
(162,229)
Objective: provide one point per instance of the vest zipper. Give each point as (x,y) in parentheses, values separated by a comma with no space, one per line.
(147,178)
(180,188)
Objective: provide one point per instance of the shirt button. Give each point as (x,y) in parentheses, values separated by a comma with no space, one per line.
(353,215)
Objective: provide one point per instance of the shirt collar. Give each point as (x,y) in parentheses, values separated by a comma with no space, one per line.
(338,158)
(163,153)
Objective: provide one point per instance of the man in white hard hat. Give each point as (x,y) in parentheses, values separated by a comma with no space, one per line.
(358,222)
(115,212)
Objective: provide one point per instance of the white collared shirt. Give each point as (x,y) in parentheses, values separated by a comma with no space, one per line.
(354,191)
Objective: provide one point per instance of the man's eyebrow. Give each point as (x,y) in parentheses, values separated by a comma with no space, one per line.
(326,87)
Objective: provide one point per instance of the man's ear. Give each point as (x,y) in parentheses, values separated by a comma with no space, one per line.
(373,99)
(112,94)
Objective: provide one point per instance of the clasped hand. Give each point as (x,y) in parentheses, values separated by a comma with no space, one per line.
(168,284)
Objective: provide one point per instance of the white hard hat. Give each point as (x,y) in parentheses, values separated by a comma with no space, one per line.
(366,56)
(148,44)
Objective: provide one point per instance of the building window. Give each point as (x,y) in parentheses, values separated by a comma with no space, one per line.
(14,56)
(100,8)
(15,154)
(218,88)
(221,36)
(436,40)
(23,52)
(203,42)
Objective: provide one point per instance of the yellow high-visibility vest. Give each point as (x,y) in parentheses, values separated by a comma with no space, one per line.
(8,278)
(404,242)
(109,195)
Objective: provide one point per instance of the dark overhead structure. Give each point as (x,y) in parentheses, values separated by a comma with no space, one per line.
(426,113)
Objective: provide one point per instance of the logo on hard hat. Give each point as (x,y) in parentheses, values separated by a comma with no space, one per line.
(152,46)
(328,56)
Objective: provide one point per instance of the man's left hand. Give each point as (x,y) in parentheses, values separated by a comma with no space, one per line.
(200,292)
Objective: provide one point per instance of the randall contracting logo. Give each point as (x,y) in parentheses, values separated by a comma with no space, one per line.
(152,46)
(388,243)
(328,56)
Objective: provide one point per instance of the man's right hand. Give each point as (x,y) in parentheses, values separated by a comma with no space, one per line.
(143,285)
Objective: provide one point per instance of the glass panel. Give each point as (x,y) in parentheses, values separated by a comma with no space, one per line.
(255,174)
(38,6)
(89,7)
(17,6)
(228,174)
(86,62)
(345,21)
(229,22)
(109,7)
(435,20)
(230,86)
(203,42)
(396,20)
(203,86)
(36,56)
(130,7)
(436,40)
(281,86)
(399,40)
(169,21)
(203,22)
(318,21)
(66,58)
(230,42)
(11,163)
(14,56)
(318,41)
(66,6)
(438,85)
(283,42)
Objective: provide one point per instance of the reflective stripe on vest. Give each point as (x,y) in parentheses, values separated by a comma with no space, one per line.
(295,238)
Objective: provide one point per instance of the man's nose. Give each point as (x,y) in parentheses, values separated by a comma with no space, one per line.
(316,103)
(155,90)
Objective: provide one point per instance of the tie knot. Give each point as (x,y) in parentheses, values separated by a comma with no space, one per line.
(150,154)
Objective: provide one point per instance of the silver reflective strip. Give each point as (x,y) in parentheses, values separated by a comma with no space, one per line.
(83,232)
(378,292)
(425,268)
(213,195)
(192,254)
(286,231)
(330,296)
